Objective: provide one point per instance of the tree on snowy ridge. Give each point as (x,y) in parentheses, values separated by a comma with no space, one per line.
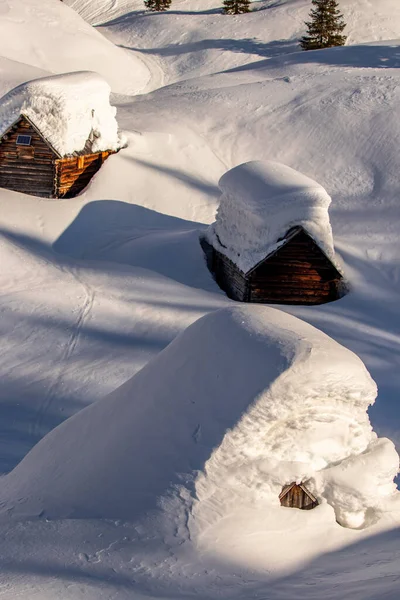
(236,7)
(157,5)
(325,28)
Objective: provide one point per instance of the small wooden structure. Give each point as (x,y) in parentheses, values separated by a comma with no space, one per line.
(30,164)
(272,240)
(297,272)
(297,496)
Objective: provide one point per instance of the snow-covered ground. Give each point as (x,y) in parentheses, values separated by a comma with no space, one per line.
(95,287)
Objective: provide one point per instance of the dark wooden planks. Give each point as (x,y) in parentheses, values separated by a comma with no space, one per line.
(37,170)
(297,273)
(297,496)
(27,169)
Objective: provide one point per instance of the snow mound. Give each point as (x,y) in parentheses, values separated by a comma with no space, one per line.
(244,401)
(49,35)
(69,110)
(260,203)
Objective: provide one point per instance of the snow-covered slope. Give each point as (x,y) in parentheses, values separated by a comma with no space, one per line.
(246,400)
(126,273)
(48,35)
(194,38)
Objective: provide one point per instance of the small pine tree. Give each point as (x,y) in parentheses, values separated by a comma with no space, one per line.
(325,28)
(157,5)
(236,7)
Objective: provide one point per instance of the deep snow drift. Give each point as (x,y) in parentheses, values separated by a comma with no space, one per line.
(260,202)
(68,110)
(246,400)
(48,35)
(80,323)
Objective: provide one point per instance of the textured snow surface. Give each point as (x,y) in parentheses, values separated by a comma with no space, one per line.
(260,203)
(48,35)
(95,287)
(68,110)
(246,400)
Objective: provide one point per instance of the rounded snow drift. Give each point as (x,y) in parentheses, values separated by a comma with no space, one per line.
(245,401)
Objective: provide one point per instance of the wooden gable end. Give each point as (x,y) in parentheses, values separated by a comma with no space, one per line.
(26,168)
(297,273)
(297,496)
(73,173)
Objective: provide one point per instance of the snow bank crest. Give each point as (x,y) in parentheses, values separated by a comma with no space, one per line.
(69,110)
(245,401)
(260,203)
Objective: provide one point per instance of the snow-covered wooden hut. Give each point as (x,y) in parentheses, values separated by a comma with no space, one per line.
(296,495)
(272,239)
(55,133)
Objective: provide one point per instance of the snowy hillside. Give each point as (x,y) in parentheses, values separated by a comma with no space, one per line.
(48,35)
(194,38)
(94,289)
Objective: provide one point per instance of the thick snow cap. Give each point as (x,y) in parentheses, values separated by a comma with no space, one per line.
(260,203)
(69,110)
(245,401)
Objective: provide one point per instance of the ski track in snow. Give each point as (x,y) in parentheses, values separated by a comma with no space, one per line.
(64,361)
(109,567)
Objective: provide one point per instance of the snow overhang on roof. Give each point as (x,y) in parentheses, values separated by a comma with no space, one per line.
(260,203)
(70,111)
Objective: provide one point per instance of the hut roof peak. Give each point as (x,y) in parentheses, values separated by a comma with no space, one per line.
(260,203)
(68,111)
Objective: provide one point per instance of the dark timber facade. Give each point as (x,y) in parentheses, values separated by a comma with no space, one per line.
(298,272)
(29,164)
(297,496)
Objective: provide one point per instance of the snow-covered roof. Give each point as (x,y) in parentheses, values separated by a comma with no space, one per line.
(260,203)
(72,111)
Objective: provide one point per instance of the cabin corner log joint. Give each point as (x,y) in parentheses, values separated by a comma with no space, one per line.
(29,163)
(297,496)
(297,272)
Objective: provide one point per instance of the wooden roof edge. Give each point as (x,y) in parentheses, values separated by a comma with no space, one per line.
(23,116)
(6,131)
(287,488)
(290,234)
(41,135)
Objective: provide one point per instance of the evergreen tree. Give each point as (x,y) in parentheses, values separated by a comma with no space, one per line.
(325,28)
(236,7)
(157,5)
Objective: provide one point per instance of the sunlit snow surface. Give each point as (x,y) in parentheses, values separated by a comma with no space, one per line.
(95,287)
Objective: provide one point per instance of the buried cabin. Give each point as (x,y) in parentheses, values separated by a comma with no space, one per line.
(55,134)
(272,240)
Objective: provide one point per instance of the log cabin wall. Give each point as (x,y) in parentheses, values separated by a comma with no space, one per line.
(298,273)
(296,497)
(26,169)
(74,173)
(230,278)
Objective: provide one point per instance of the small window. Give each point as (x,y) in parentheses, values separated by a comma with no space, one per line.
(24,140)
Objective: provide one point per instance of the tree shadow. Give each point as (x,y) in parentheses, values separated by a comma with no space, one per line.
(364,56)
(245,46)
(143,14)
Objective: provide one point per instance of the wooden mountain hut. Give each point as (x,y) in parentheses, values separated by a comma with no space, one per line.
(60,136)
(297,496)
(272,241)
